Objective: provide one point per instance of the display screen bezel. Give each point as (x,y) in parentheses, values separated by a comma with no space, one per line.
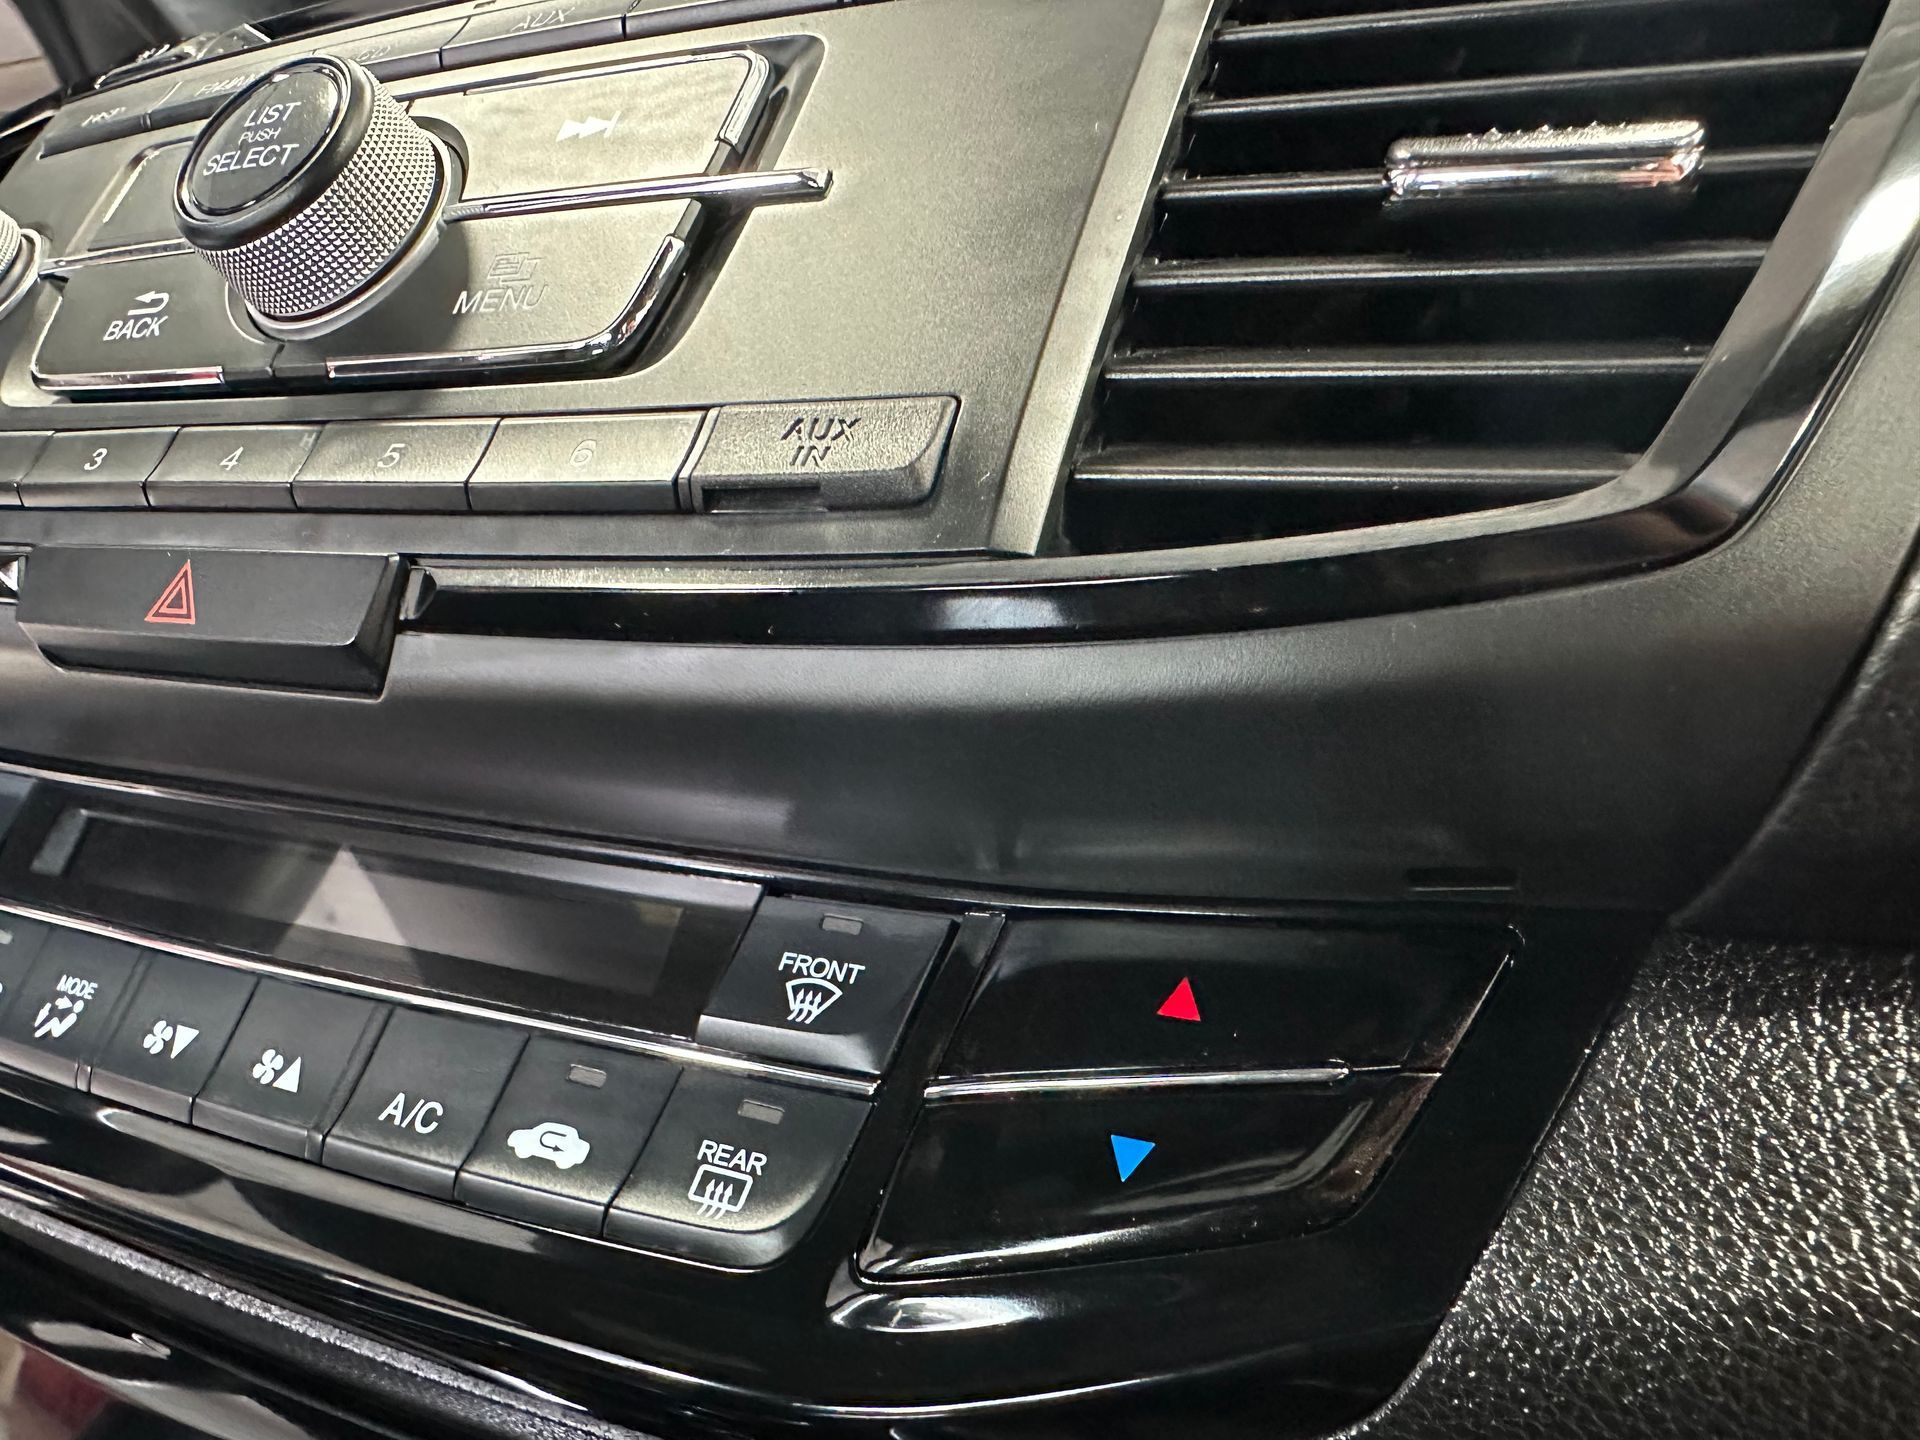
(38,869)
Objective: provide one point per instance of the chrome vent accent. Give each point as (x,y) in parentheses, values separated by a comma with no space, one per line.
(1300,353)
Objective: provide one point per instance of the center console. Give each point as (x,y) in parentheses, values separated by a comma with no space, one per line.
(609,1104)
(930,718)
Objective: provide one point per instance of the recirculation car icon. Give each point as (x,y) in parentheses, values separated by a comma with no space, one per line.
(562,1145)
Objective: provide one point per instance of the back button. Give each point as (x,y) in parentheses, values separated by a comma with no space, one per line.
(309,621)
(166,322)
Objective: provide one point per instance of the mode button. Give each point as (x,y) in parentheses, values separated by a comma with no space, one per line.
(823,984)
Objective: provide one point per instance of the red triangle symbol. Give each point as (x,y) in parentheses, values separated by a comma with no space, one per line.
(1180,1005)
(175,605)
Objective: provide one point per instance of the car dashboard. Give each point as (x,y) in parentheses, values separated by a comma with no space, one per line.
(953,717)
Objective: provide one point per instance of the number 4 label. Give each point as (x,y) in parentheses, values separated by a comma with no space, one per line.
(233,460)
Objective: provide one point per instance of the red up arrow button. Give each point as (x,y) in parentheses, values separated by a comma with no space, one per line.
(1180,1005)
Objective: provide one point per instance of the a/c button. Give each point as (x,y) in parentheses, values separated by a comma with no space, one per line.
(423,1101)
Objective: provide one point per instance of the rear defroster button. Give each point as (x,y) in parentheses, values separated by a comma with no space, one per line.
(736,1169)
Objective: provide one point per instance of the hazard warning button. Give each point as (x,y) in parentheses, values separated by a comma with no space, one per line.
(307,621)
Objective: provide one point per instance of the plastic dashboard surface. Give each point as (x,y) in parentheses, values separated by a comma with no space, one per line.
(1368,759)
(1466,769)
(921,114)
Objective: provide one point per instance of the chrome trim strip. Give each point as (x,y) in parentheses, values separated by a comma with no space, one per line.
(747,102)
(112,255)
(681,1052)
(1659,156)
(751,187)
(190,379)
(667,263)
(741,190)
(1085,1082)
(1067,376)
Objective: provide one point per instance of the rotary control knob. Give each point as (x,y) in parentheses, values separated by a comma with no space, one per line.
(314,194)
(19,262)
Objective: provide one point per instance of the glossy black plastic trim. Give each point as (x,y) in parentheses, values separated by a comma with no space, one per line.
(113,1375)
(1738,429)
(638,1339)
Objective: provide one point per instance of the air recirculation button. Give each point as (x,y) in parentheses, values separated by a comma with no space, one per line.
(313,193)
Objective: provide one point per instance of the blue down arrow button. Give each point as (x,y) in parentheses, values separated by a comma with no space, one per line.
(1128,1153)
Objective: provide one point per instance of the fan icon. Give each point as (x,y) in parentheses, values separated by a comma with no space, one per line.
(272,1062)
(158,1038)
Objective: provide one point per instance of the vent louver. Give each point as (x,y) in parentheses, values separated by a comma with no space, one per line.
(1300,355)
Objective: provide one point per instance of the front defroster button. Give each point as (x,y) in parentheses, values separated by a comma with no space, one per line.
(823,984)
(736,1169)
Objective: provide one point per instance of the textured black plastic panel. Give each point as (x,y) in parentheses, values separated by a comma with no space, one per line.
(1718,1239)
(1838,856)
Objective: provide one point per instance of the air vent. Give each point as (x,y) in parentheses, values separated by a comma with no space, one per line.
(1302,352)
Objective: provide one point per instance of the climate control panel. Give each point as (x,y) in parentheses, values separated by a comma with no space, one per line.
(619,1102)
